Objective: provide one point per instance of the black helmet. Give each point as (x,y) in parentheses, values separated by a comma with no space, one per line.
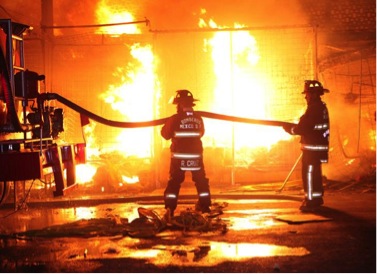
(184,96)
(315,87)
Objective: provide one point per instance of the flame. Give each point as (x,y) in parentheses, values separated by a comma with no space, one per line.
(372,137)
(107,15)
(130,180)
(134,96)
(241,90)
(85,173)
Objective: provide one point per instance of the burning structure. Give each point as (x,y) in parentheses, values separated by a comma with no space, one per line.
(123,60)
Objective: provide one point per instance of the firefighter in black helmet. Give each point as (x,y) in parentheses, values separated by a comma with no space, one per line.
(314,129)
(185,129)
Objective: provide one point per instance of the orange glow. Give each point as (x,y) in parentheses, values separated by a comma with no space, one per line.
(372,137)
(220,252)
(85,173)
(133,97)
(245,250)
(241,89)
(84,213)
(130,180)
(252,223)
(91,149)
(107,16)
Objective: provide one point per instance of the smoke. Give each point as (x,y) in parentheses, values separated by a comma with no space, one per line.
(74,12)
(25,12)
(352,137)
(185,14)
(169,14)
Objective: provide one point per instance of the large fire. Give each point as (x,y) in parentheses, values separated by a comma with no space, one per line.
(133,97)
(105,15)
(240,90)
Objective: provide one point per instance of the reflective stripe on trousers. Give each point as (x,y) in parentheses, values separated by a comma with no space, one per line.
(189,161)
(170,196)
(310,194)
(204,194)
(190,168)
(204,199)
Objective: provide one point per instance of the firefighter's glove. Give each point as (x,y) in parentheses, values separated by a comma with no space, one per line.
(288,129)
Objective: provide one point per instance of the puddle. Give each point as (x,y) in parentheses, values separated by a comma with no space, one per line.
(35,218)
(217,252)
(170,247)
(251,223)
(253,219)
(210,254)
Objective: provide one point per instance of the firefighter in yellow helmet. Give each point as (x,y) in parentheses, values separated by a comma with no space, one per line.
(314,129)
(185,129)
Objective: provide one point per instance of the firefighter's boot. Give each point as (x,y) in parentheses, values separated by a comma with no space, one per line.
(204,209)
(311,205)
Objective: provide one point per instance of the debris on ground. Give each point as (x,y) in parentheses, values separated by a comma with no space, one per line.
(147,225)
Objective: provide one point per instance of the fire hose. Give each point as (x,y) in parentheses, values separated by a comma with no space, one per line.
(53,96)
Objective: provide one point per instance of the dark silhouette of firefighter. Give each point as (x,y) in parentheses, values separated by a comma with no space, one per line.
(185,129)
(314,129)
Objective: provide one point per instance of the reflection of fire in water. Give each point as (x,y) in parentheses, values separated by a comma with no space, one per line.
(217,252)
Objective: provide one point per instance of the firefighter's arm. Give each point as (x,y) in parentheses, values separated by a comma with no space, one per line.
(202,130)
(306,123)
(304,126)
(290,129)
(167,129)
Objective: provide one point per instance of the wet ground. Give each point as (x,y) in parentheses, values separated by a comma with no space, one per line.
(252,230)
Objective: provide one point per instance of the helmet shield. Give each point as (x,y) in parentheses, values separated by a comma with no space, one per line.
(314,87)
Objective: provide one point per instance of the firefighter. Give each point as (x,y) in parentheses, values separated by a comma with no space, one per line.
(314,129)
(185,129)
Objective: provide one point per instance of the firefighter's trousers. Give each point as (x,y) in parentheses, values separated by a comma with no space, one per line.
(312,175)
(177,177)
